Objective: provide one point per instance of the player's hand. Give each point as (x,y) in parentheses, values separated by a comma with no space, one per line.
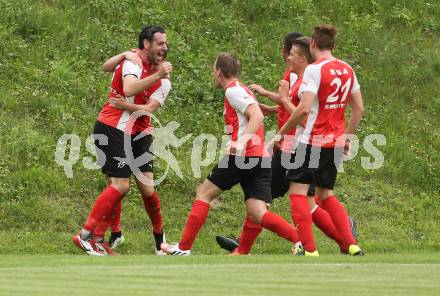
(258,89)
(234,148)
(283,89)
(347,148)
(266,110)
(133,57)
(275,143)
(118,102)
(164,69)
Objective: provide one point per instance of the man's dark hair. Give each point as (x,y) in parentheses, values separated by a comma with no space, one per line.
(148,33)
(228,64)
(303,43)
(325,37)
(288,40)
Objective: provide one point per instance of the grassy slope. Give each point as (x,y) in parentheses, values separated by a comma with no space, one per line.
(50,84)
(410,274)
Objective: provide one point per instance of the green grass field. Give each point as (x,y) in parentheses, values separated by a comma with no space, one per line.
(404,274)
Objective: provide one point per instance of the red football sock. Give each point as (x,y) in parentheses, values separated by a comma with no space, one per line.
(102,207)
(196,219)
(301,216)
(323,221)
(281,227)
(248,236)
(115,222)
(339,216)
(152,207)
(100,229)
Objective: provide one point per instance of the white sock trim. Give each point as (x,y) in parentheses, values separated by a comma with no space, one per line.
(314,209)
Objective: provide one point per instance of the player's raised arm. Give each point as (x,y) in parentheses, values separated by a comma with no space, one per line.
(273,96)
(133,85)
(284,96)
(111,64)
(300,113)
(156,100)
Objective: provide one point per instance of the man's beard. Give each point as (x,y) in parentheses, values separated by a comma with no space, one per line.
(154,57)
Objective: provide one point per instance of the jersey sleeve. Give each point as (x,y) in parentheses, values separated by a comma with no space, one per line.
(162,92)
(130,68)
(356,87)
(311,80)
(239,98)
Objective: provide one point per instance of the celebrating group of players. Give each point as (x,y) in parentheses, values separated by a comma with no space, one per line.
(302,158)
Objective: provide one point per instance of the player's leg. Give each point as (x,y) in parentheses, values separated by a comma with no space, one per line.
(205,193)
(301,215)
(325,180)
(259,214)
(113,193)
(152,207)
(144,146)
(256,185)
(339,217)
(279,186)
(321,218)
(223,177)
(301,177)
(114,223)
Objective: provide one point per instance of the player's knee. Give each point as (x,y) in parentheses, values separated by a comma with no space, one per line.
(147,191)
(122,187)
(256,215)
(203,195)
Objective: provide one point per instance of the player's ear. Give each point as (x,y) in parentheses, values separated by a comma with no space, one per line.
(146,44)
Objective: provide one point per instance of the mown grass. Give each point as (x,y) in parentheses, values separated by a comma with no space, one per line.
(51,84)
(405,274)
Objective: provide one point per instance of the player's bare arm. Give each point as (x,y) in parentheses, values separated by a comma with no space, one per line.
(284,96)
(134,86)
(119,102)
(273,96)
(300,113)
(111,64)
(267,110)
(357,111)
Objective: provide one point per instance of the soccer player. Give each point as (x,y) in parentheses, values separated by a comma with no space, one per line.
(114,220)
(298,59)
(134,87)
(244,123)
(328,85)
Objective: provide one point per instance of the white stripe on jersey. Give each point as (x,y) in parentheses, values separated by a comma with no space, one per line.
(239,99)
(311,82)
(305,137)
(293,78)
(162,92)
(125,116)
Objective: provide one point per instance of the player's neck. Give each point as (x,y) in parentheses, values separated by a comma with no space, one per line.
(227,81)
(301,70)
(324,54)
(143,55)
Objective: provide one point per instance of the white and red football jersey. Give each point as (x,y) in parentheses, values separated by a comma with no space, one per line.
(119,118)
(332,81)
(237,99)
(282,112)
(290,138)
